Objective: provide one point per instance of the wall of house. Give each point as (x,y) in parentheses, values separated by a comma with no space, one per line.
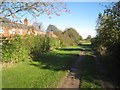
(5,32)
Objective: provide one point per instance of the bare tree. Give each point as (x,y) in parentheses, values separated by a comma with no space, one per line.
(39,25)
(19,9)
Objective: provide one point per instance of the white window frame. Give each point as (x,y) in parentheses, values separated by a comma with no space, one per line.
(2,30)
(12,31)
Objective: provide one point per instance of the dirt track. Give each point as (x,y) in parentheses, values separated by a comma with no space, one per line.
(72,79)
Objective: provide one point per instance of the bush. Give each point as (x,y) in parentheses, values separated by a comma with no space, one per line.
(54,43)
(13,49)
(18,48)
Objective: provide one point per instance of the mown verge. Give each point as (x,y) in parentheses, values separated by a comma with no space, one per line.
(47,71)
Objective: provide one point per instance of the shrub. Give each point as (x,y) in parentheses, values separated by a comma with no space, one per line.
(54,43)
(18,48)
(13,49)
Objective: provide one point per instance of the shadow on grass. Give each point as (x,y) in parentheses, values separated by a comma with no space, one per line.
(110,69)
(57,61)
(68,49)
(85,45)
(88,75)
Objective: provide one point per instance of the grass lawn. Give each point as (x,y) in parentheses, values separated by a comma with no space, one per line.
(46,72)
(88,75)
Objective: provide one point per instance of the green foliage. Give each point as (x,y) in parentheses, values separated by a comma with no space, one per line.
(89,37)
(67,38)
(70,37)
(52,28)
(13,50)
(18,48)
(58,32)
(54,43)
(108,39)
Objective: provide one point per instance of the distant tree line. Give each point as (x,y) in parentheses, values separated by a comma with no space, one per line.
(29,47)
(68,37)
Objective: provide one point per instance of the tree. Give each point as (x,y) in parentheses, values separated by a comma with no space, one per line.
(52,28)
(108,30)
(72,33)
(89,37)
(18,9)
(58,32)
(70,36)
(5,20)
(38,25)
(107,41)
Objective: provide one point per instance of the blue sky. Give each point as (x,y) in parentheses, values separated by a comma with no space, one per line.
(82,17)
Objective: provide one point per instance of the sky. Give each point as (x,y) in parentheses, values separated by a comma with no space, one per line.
(82,17)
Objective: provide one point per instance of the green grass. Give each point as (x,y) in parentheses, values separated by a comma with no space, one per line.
(88,74)
(46,72)
(89,77)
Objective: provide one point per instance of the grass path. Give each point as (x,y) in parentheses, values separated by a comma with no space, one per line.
(46,72)
(72,79)
(83,74)
(50,70)
(88,73)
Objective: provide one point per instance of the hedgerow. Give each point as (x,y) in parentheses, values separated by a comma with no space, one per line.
(19,48)
(14,50)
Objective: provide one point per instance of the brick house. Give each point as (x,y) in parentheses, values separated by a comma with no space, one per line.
(8,28)
(51,34)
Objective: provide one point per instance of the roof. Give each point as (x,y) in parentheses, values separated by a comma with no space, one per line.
(8,24)
(13,25)
(4,22)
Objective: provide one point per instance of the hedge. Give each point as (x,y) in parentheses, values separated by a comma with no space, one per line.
(20,48)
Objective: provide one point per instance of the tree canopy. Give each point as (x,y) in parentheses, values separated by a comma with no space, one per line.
(108,30)
(70,36)
(52,28)
(16,10)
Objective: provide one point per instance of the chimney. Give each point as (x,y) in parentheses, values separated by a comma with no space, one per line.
(26,21)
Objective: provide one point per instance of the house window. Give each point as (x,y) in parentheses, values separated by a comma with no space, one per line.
(35,33)
(28,32)
(12,31)
(20,31)
(1,30)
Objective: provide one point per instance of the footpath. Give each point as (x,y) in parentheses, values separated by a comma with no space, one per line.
(72,79)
